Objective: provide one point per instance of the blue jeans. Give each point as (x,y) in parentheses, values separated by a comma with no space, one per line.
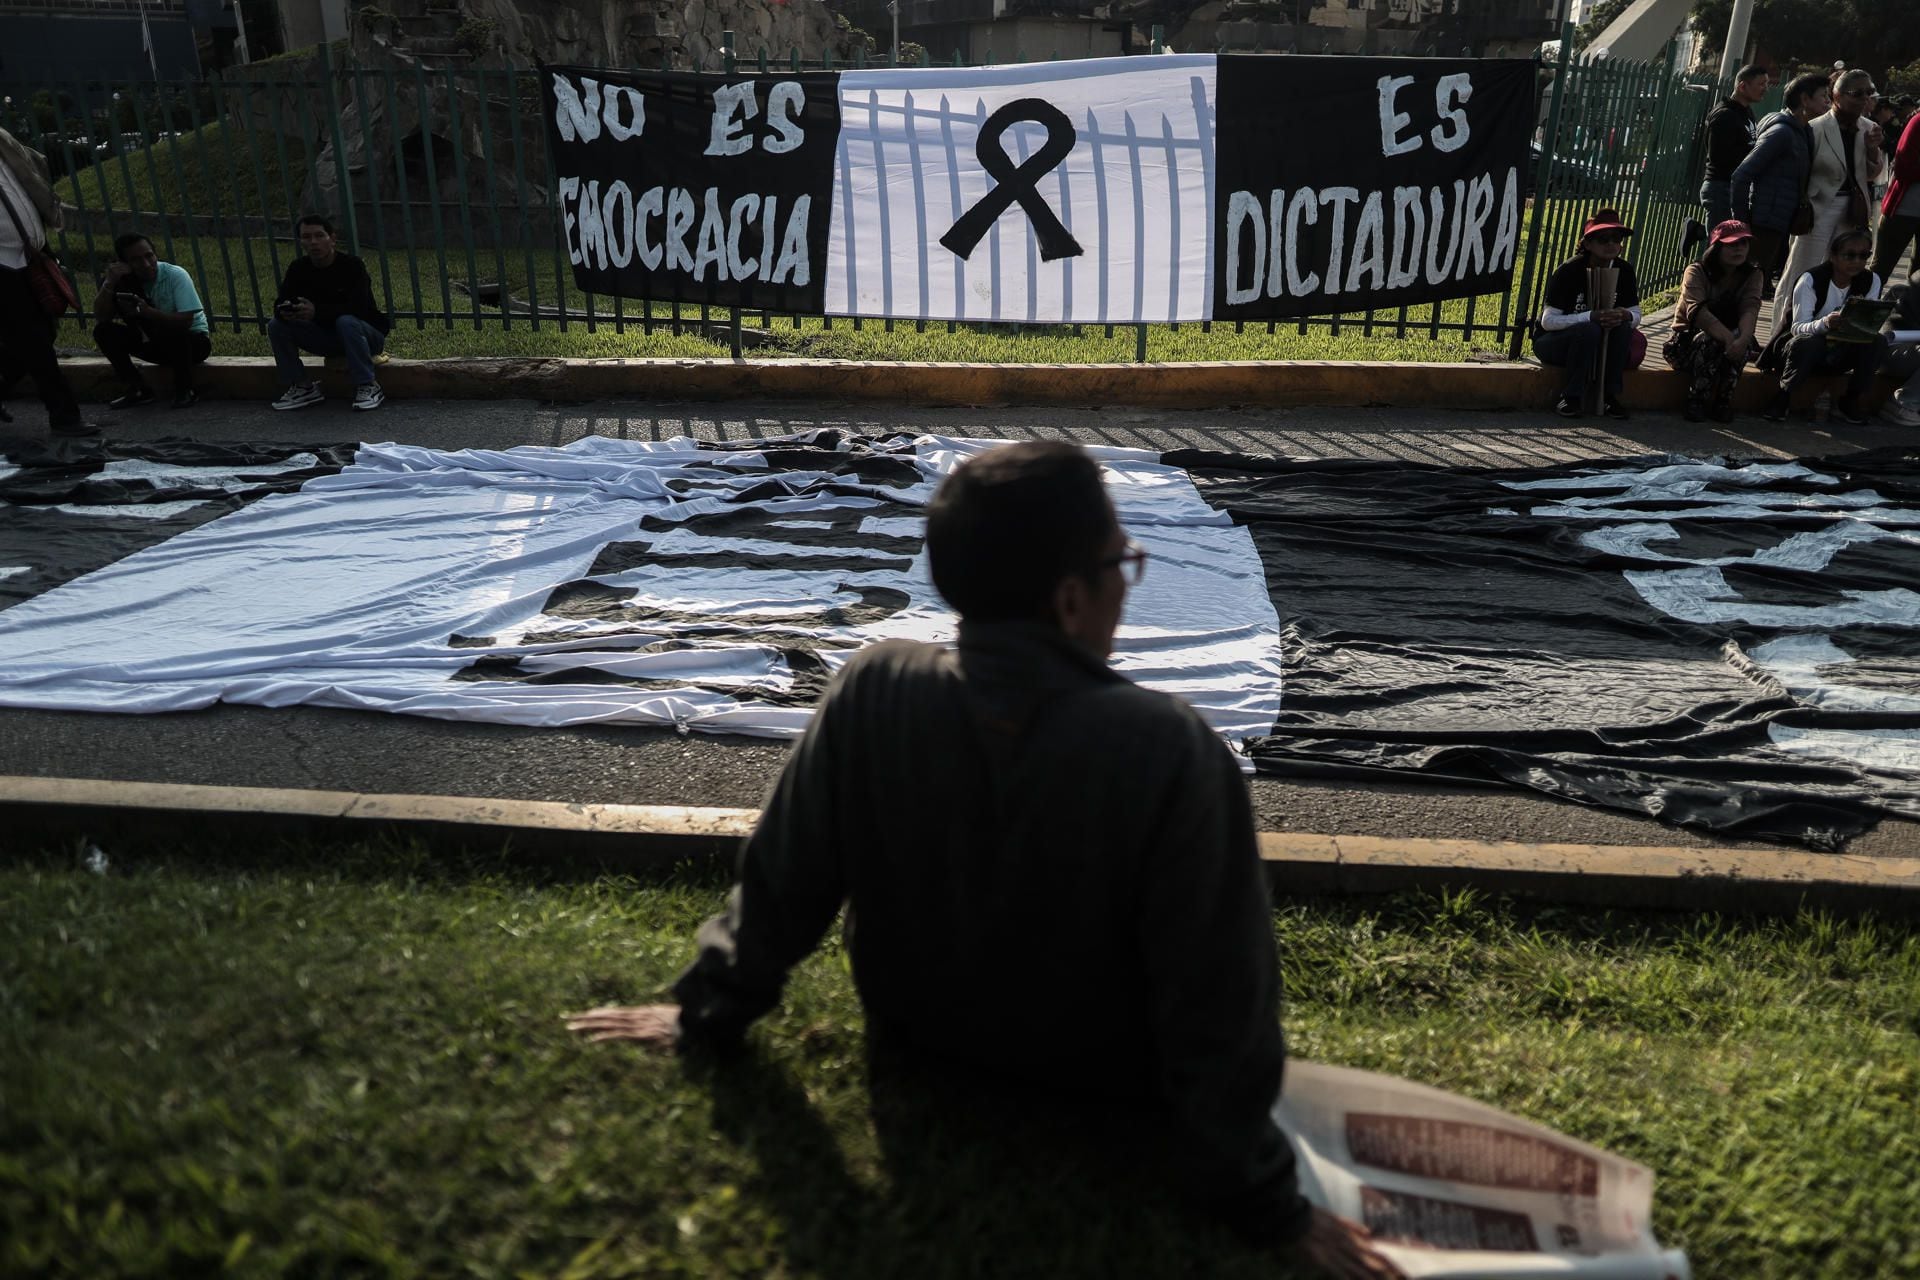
(1716,197)
(348,336)
(1575,350)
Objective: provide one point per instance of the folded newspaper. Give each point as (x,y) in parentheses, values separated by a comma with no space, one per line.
(1450,1187)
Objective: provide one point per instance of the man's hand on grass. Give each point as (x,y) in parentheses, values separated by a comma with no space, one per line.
(1344,1249)
(649,1024)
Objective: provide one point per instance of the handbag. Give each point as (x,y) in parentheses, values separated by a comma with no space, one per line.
(1802,218)
(52,290)
(1674,349)
(1856,209)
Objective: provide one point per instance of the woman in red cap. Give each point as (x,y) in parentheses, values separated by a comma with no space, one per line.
(1571,332)
(1714,324)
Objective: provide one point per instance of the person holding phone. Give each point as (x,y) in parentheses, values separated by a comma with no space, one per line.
(149,309)
(326,306)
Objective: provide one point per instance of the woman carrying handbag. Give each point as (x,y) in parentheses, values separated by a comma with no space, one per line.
(29,288)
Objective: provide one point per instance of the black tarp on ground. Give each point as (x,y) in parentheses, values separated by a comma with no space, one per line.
(1728,647)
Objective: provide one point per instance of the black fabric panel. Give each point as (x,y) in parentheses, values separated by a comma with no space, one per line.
(1425,633)
(651,132)
(1306,165)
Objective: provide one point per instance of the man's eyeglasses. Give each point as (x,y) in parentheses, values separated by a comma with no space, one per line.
(1132,563)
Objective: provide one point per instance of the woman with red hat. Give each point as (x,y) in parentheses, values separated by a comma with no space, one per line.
(1714,324)
(1572,333)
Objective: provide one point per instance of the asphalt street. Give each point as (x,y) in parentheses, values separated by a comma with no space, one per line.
(337,750)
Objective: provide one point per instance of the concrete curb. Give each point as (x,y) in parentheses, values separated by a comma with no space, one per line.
(635,837)
(1270,383)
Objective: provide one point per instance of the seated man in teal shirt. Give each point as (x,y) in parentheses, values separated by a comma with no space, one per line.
(150,309)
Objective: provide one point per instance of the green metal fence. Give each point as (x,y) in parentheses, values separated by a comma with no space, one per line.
(439,177)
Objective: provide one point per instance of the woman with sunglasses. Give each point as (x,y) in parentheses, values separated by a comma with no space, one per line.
(1714,324)
(1810,350)
(1571,332)
(1847,161)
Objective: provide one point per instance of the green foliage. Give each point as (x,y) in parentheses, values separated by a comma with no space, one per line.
(207,170)
(1876,34)
(1598,20)
(477,35)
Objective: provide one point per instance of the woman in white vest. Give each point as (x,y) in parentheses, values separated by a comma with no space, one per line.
(1813,347)
(1847,161)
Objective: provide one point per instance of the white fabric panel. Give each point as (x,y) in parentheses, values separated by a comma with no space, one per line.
(1136,192)
(350,593)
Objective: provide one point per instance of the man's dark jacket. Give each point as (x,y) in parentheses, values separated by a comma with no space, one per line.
(1050,875)
(1770,183)
(1729,138)
(341,288)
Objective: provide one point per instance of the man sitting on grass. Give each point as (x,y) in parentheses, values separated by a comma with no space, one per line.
(150,309)
(1050,873)
(326,306)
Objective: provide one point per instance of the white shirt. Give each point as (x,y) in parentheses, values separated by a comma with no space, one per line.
(1807,315)
(12,252)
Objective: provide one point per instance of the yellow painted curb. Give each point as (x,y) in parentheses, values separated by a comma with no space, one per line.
(1723,879)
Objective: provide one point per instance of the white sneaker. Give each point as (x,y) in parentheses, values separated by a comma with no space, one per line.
(1894,413)
(299,396)
(368,395)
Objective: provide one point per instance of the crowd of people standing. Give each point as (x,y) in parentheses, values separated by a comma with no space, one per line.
(1827,194)
(1814,208)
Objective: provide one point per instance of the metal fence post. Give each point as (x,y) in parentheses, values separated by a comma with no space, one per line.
(339,148)
(1541,182)
(1650,166)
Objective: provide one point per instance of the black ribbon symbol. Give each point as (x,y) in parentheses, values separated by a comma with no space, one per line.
(1018,182)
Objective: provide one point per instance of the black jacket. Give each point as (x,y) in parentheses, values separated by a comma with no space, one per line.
(343,288)
(1729,138)
(1050,876)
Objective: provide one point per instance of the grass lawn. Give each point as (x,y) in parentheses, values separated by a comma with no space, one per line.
(305,1061)
(433,318)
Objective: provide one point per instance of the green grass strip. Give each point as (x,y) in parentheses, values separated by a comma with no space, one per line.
(319,1062)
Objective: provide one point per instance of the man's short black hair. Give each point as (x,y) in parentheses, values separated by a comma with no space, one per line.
(126,241)
(1010,524)
(1750,71)
(1801,86)
(314,220)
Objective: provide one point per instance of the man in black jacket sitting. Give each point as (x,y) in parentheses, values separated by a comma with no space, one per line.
(326,306)
(1050,874)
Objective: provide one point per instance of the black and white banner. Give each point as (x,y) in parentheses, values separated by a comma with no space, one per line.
(1110,190)
(1725,645)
